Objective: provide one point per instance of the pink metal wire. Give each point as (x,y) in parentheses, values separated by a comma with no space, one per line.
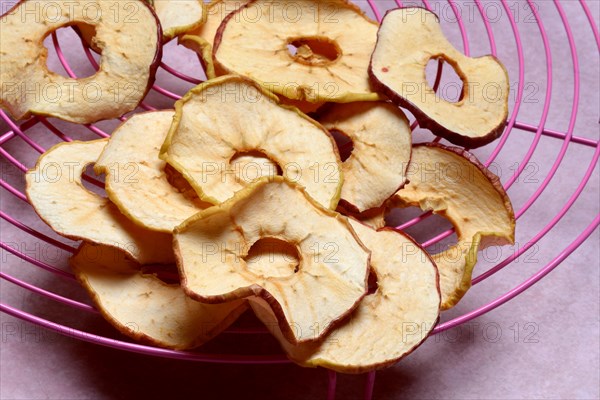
(539,131)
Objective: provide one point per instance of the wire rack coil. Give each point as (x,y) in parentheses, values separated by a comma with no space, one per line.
(19,138)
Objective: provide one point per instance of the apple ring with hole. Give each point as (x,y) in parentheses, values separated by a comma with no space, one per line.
(204,51)
(331,271)
(144,307)
(201,40)
(389,323)
(398,70)
(56,192)
(311,50)
(382,141)
(452,183)
(232,116)
(127,33)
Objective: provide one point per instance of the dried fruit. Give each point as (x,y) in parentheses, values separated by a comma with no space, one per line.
(305,50)
(451,182)
(131,53)
(179,16)
(389,323)
(398,70)
(230,116)
(136,180)
(326,284)
(382,141)
(55,191)
(202,38)
(145,308)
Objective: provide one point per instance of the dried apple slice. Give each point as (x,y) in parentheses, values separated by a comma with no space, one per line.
(305,50)
(135,177)
(398,70)
(179,16)
(389,323)
(216,11)
(55,191)
(451,182)
(145,308)
(202,38)
(212,248)
(204,51)
(382,141)
(230,116)
(131,53)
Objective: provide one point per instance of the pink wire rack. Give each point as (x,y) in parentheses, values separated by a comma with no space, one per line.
(14,198)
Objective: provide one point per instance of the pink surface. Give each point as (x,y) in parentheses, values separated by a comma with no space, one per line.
(520,350)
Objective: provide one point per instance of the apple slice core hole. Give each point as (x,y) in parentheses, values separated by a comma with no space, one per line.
(271,257)
(314,50)
(72,54)
(253,164)
(451,86)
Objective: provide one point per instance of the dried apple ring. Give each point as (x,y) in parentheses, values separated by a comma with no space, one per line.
(389,323)
(127,33)
(231,116)
(326,284)
(136,180)
(304,50)
(407,40)
(201,41)
(382,141)
(145,308)
(451,182)
(55,191)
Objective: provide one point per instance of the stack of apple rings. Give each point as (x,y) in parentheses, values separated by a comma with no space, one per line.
(238,199)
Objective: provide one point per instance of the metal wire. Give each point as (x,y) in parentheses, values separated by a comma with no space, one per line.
(19,133)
